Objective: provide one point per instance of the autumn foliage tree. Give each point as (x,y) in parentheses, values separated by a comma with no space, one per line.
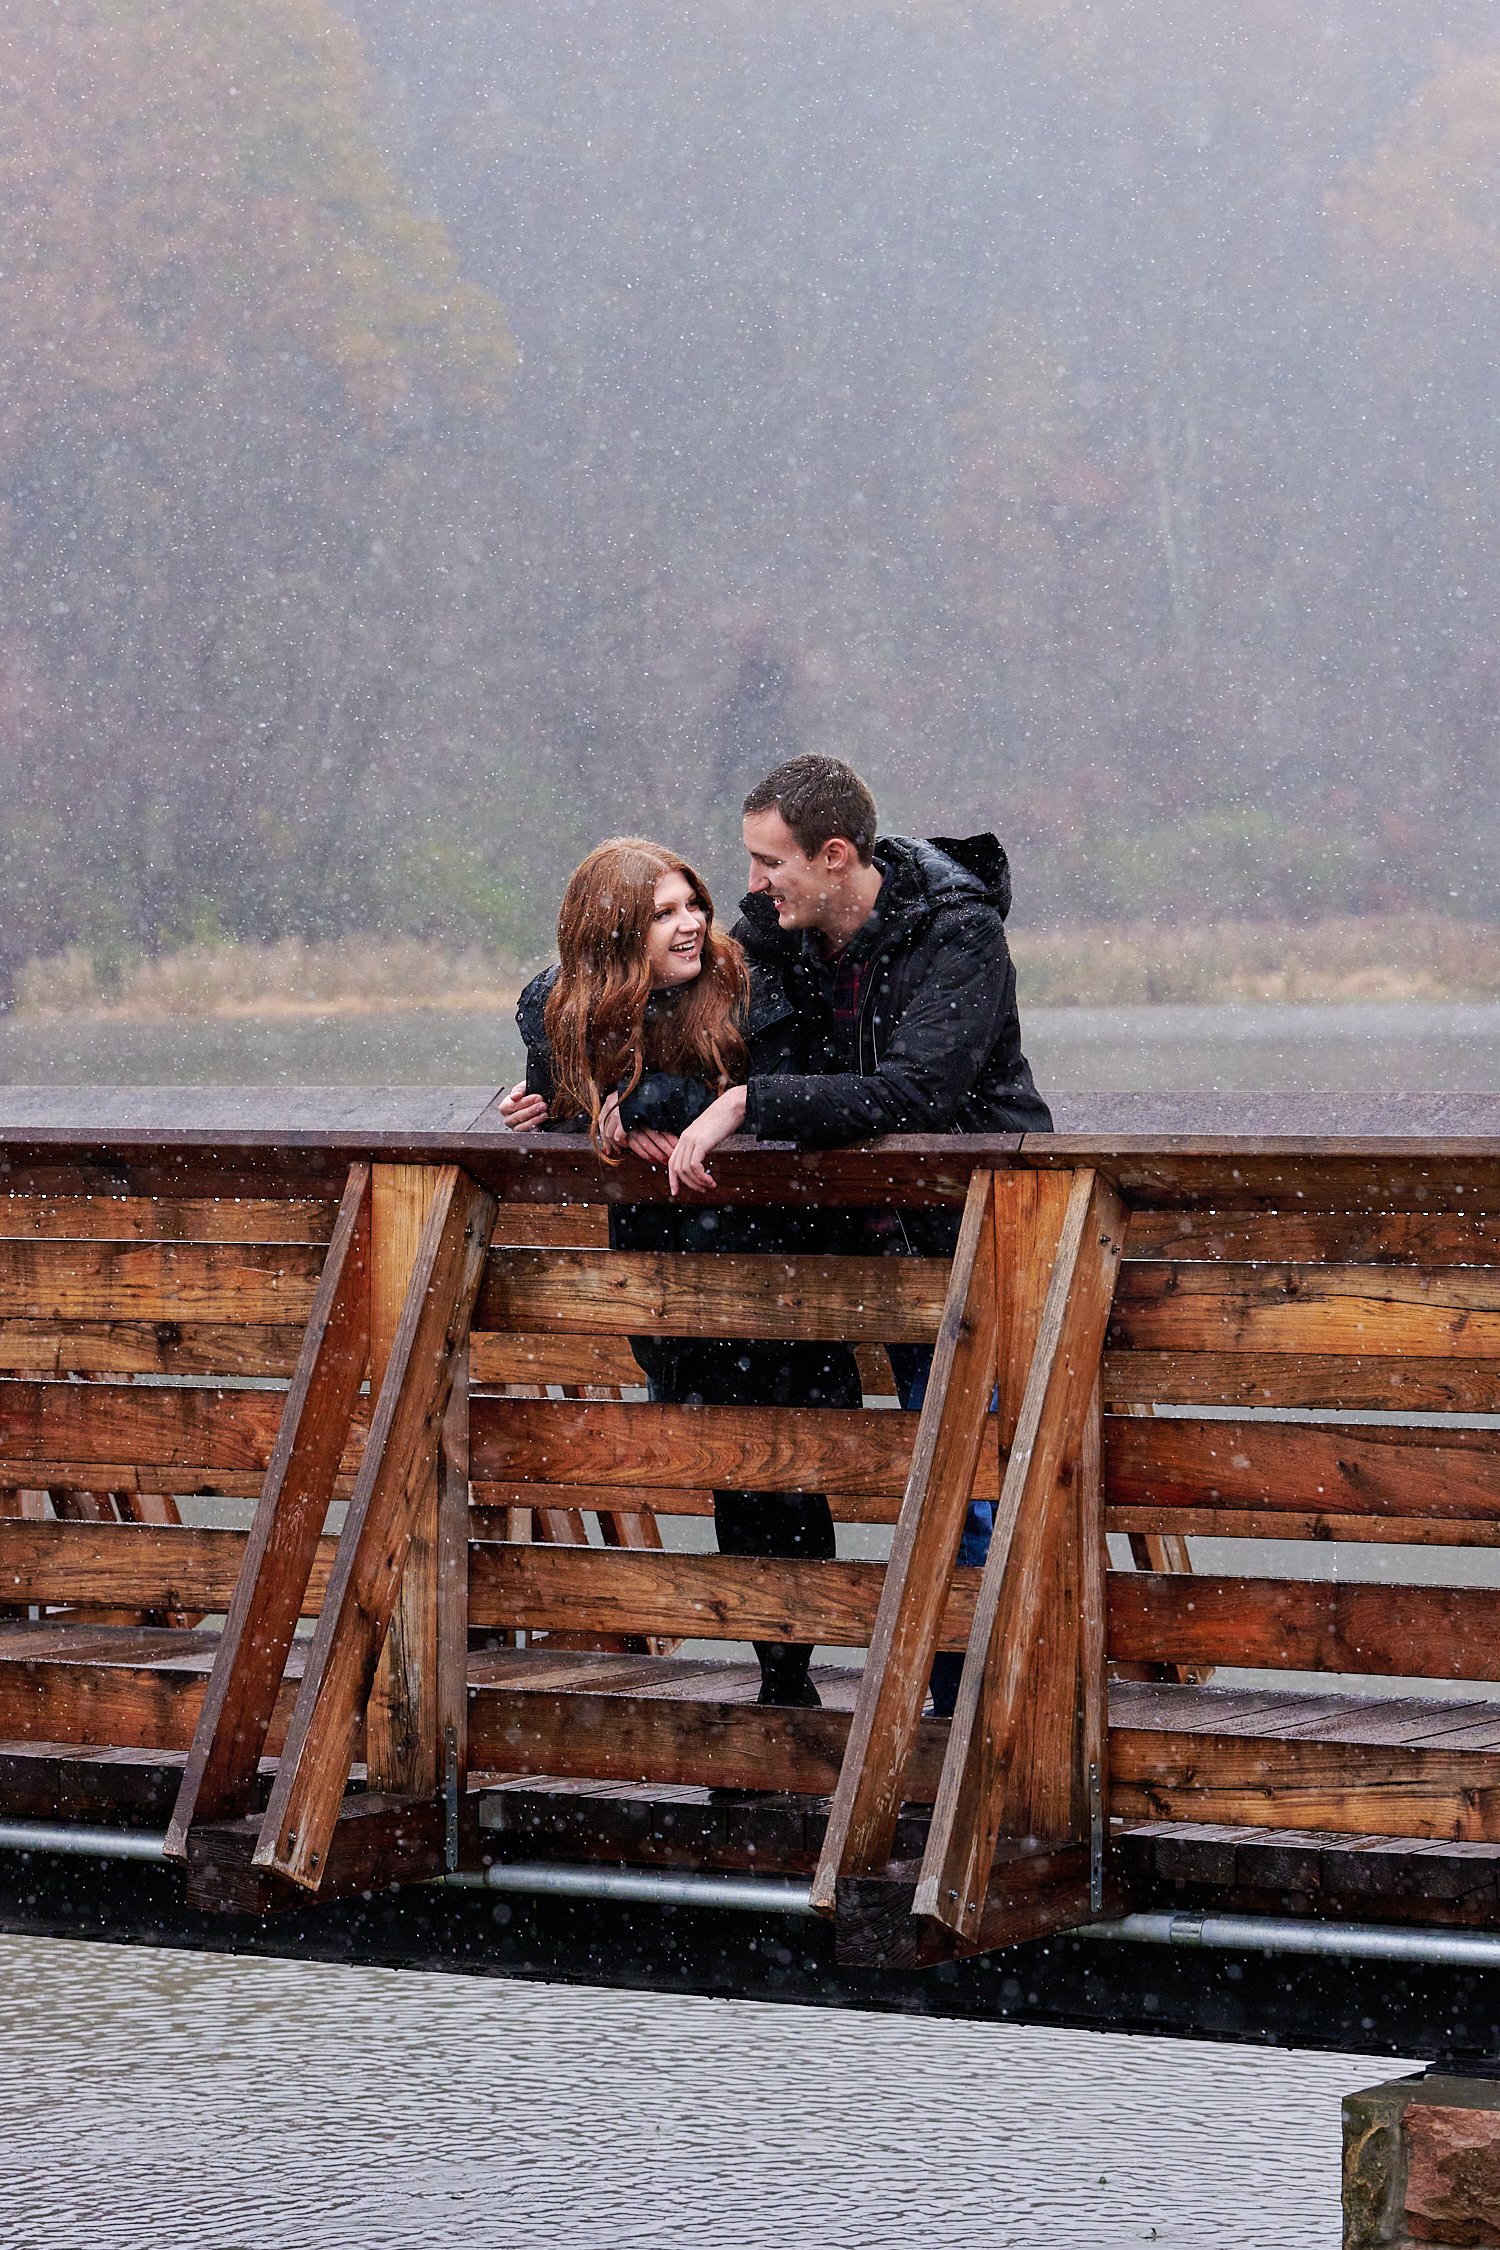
(221,324)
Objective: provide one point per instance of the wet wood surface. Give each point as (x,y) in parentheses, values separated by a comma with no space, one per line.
(946,1451)
(713,1597)
(282,1546)
(776,1449)
(614,1293)
(1035,1524)
(1379,1472)
(1307,1625)
(426,1353)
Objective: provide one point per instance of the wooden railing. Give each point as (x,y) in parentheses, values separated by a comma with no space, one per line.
(396,1363)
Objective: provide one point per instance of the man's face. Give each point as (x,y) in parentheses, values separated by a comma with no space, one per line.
(799,887)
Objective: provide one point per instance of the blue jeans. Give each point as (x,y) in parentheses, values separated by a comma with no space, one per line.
(911,1364)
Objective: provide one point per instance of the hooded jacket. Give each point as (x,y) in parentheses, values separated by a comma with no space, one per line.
(938,1040)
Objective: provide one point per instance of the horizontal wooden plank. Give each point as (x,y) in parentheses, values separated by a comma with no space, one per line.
(182,1167)
(1381,1172)
(1314,1625)
(146,1347)
(549,1168)
(183,1479)
(758,1448)
(608,1360)
(1338,1788)
(554,1226)
(1335,1380)
(1164,1461)
(603,1737)
(1330,1238)
(492,1500)
(219,1282)
(98,1786)
(120,1218)
(1358,1878)
(710,1597)
(141,1566)
(213,1427)
(1431,1313)
(622,1293)
(146,1705)
(1292,1523)
(1303,1173)
(491,1503)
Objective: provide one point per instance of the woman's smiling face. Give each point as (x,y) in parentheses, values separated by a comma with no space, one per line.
(674,940)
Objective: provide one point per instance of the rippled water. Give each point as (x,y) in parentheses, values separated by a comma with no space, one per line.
(165,2101)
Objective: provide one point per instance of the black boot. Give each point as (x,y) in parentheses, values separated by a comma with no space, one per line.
(784,1668)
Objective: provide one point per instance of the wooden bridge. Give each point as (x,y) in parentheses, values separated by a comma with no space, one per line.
(339,1543)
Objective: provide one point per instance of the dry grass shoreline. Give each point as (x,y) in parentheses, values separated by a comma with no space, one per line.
(1409,956)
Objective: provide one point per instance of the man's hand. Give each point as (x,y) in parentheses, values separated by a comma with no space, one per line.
(523,1112)
(652,1147)
(689,1167)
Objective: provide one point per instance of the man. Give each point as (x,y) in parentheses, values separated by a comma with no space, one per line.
(892,953)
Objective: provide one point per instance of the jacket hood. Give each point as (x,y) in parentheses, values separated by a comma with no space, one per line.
(531,1006)
(922,874)
(950,870)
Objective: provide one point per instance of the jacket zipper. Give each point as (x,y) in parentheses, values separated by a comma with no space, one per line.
(859,1056)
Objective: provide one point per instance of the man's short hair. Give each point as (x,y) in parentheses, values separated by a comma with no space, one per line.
(819,797)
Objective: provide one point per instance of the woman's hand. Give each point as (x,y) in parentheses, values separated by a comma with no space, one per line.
(688,1167)
(521,1111)
(611,1129)
(651,1146)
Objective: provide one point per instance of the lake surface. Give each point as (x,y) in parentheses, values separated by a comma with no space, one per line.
(1359,1047)
(154,2100)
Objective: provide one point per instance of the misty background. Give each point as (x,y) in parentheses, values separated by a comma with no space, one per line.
(434,435)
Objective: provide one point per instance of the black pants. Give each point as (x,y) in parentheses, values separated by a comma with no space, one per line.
(786,1524)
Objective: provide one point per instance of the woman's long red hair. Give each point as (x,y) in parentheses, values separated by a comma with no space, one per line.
(596,1016)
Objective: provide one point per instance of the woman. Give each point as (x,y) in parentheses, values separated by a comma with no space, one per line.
(648,1016)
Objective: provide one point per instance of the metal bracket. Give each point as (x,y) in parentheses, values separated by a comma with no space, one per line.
(450,1800)
(1096,1842)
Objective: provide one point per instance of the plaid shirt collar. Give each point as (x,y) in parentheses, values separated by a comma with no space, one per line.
(845,974)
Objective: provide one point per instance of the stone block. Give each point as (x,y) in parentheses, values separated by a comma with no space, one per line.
(1422,2165)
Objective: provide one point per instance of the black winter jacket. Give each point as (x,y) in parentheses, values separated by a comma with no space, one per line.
(939,1033)
(664,1103)
(708,1371)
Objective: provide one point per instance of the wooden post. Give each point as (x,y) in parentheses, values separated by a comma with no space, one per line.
(1045,1789)
(235,1717)
(452,1655)
(397,1481)
(1011,1764)
(403,1726)
(924,1553)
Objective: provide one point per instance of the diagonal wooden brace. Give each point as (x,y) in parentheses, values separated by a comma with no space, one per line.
(924,1549)
(230,1737)
(1034,1522)
(426,1355)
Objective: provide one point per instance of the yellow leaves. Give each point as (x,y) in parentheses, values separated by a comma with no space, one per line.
(187,189)
(1427,205)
